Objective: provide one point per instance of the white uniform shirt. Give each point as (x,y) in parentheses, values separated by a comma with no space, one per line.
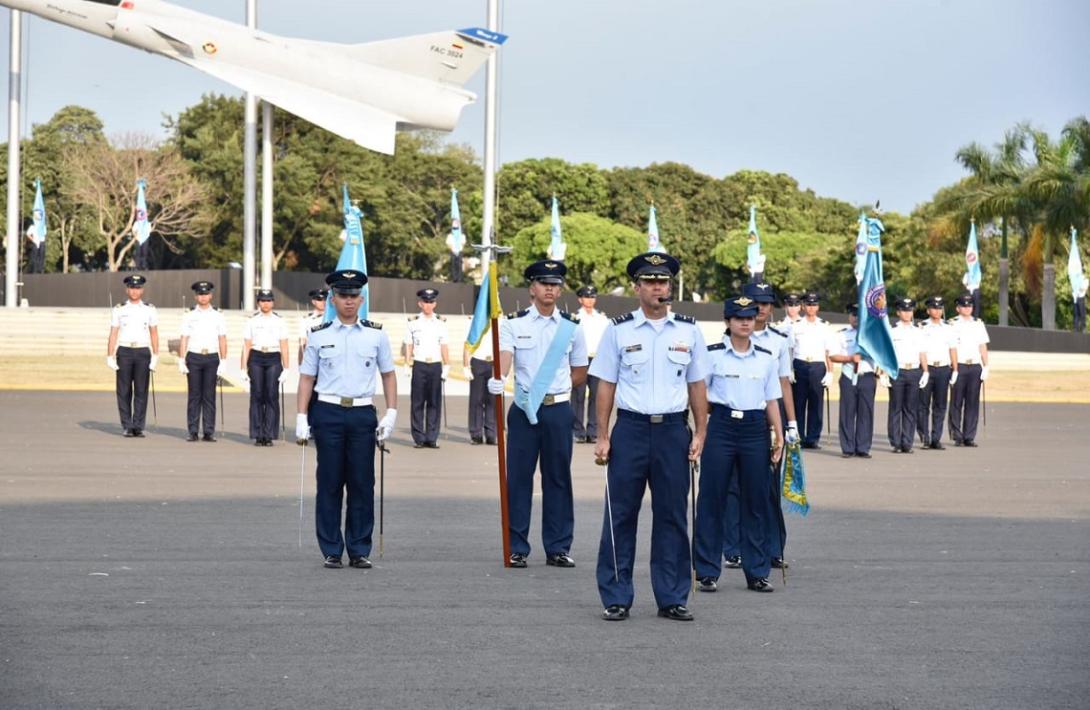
(134,322)
(307,322)
(484,350)
(849,345)
(908,343)
(426,335)
(940,338)
(594,325)
(528,336)
(346,360)
(776,342)
(814,339)
(204,326)
(971,335)
(265,332)
(743,381)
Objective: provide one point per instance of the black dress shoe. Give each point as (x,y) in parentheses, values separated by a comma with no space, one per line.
(707,584)
(476,440)
(863,454)
(208,437)
(332,562)
(490,442)
(898,450)
(191,437)
(138,433)
(418,445)
(925,445)
(779,563)
(676,612)
(970,443)
(734,562)
(958,443)
(937,446)
(268,442)
(760,585)
(128,434)
(259,442)
(615,612)
(359,562)
(560,559)
(846,455)
(906,451)
(432,444)
(518,561)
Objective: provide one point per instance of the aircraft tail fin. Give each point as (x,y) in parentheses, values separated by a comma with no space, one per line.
(451,57)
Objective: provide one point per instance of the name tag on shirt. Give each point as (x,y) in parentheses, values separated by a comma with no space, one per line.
(679,348)
(634,348)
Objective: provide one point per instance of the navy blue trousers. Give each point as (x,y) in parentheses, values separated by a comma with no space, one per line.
(264,371)
(200,412)
(732,519)
(932,413)
(857,413)
(550,441)
(657,455)
(965,404)
(809,399)
(132,385)
(904,403)
(426,401)
(736,451)
(345,440)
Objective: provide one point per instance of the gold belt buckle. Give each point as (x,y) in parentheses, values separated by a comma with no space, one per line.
(549,400)
(346,401)
(656,418)
(488,359)
(204,352)
(429,360)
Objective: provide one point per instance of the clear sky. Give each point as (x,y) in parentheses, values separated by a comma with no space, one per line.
(857,99)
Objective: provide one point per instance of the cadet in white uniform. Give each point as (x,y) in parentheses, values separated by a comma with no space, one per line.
(857,389)
(265,365)
(904,396)
(427,356)
(814,341)
(313,318)
(972,372)
(594,324)
(477,369)
(204,349)
(132,352)
(942,361)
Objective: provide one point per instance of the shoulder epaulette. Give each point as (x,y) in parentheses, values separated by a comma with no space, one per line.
(320,326)
(118,305)
(622,319)
(441,317)
(821,320)
(193,308)
(717,346)
(276,314)
(951,321)
(568,316)
(371,324)
(758,348)
(150,305)
(413,317)
(779,333)
(684,319)
(518,314)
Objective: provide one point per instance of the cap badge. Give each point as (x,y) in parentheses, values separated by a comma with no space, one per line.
(349,274)
(654,260)
(550,264)
(743,301)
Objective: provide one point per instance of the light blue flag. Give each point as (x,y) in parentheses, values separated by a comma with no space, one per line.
(141,229)
(972,261)
(457,239)
(352,255)
(487,308)
(653,243)
(875,338)
(1074,266)
(557,247)
(754,261)
(38,214)
(861,248)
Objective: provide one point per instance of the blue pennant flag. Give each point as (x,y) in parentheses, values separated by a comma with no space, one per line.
(793,481)
(39,229)
(487,308)
(1074,266)
(972,261)
(141,229)
(875,338)
(755,262)
(352,255)
(557,247)
(653,242)
(860,248)
(457,240)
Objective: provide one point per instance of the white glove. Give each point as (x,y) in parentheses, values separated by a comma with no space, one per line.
(954,377)
(220,368)
(924,379)
(467,372)
(446,371)
(386,424)
(111,362)
(154,363)
(495,386)
(302,427)
(182,368)
(791,376)
(243,376)
(827,379)
(983,373)
(792,433)
(283,377)
(884,381)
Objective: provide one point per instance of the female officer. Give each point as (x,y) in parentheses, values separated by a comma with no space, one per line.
(743,386)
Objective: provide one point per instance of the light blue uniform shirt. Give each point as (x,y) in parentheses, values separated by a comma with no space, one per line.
(778,343)
(652,369)
(742,381)
(347,358)
(528,336)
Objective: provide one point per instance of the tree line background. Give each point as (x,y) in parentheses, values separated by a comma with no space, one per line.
(1029,189)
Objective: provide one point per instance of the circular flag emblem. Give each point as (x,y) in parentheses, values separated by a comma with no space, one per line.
(141,215)
(210,48)
(861,248)
(875,298)
(970,257)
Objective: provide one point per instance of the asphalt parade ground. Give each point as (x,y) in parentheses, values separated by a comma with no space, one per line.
(153,572)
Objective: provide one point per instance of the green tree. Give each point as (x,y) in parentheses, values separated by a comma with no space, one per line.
(525,190)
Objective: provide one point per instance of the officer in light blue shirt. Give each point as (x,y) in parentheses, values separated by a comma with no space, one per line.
(743,386)
(342,362)
(652,364)
(547,349)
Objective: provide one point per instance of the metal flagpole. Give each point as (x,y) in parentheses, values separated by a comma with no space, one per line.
(266,194)
(609,512)
(694,472)
(15,80)
(381,493)
(302,469)
(249,183)
(154,407)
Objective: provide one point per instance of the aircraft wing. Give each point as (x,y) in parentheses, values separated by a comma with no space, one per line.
(362,123)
